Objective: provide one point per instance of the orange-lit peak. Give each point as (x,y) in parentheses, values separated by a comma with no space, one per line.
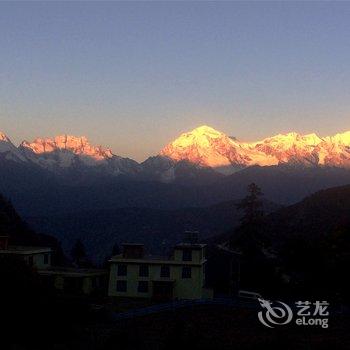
(207,146)
(343,138)
(293,138)
(200,136)
(79,145)
(3,137)
(205,130)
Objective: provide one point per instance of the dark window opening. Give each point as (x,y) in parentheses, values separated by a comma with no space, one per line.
(95,282)
(186,272)
(187,255)
(165,271)
(46,259)
(121,286)
(143,271)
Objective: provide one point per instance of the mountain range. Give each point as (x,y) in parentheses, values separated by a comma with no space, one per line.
(67,174)
(67,187)
(202,148)
(158,229)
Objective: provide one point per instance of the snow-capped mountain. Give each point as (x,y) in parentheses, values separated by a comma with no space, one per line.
(335,150)
(193,156)
(67,173)
(66,147)
(287,148)
(65,151)
(208,147)
(8,150)
(167,170)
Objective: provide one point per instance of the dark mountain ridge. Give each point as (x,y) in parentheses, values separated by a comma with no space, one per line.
(38,192)
(18,231)
(315,217)
(302,249)
(158,229)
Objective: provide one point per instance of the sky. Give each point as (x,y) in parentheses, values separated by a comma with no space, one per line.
(134,75)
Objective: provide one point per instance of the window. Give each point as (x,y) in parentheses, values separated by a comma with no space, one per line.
(95,281)
(122,269)
(186,272)
(165,271)
(121,286)
(30,261)
(142,287)
(46,259)
(187,255)
(143,271)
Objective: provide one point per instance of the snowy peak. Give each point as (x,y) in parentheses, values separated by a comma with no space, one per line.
(312,139)
(8,150)
(335,150)
(200,136)
(293,138)
(209,147)
(205,146)
(205,131)
(4,138)
(76,145)
(67,151)
(290,148)
(340,139)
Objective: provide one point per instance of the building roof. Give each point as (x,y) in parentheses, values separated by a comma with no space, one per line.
(72,272)
(159,259)
(24,250)
(153,259)
(150,258)
(196,246)
(133,244)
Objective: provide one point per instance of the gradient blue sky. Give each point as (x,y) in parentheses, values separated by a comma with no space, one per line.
(132,76)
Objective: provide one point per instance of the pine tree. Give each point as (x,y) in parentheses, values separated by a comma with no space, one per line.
(78,253)
(251,205)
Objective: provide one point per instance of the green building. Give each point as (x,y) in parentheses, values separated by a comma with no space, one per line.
(180,276)
(68,280)
(37,257)
(76,281)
